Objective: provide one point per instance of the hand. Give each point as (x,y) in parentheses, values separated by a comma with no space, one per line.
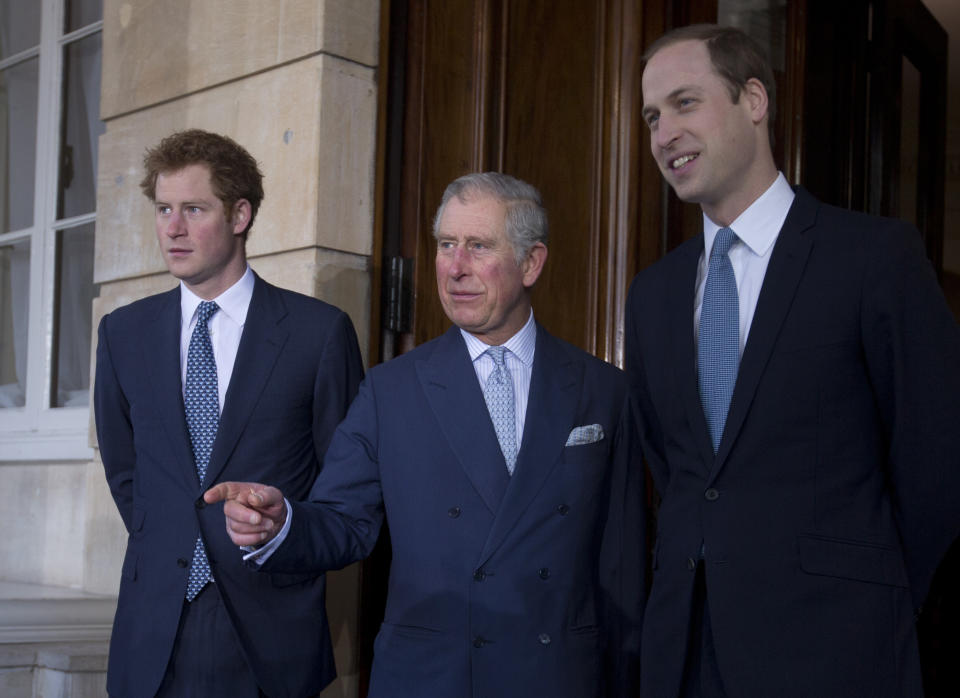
(254,513)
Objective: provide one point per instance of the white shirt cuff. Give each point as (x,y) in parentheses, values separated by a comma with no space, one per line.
(260,555)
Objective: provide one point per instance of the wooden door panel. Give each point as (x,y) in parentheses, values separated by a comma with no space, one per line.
(550,93)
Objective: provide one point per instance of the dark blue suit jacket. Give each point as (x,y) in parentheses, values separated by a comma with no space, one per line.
(499,586)
(833,495)
(296,371)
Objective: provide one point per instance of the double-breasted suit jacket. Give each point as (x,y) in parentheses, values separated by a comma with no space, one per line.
(832,496)
(297,369)
(499,586)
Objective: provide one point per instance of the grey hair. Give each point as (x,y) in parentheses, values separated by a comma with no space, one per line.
(526,218)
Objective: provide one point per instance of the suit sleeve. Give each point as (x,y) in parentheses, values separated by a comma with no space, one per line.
(912,346)
(114,429)
(341,520)
(623,560)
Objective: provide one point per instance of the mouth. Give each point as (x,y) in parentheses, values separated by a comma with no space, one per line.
(177,251)
(678,162)
(462,295)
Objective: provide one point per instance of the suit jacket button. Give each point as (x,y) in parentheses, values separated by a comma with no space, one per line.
(544,639)
(453,512)
(181,562)
(200,504)
(712,495)
(479,642)
(691,564)
(544,572)
(563,509)
(479,575)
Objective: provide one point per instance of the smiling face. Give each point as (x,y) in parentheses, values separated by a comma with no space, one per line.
(200,245)
(482,287)
(711,150)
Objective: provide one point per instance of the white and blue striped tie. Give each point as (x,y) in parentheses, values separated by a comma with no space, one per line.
(498,393)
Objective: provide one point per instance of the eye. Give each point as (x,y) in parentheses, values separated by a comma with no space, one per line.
(162,209)
(444,244)
(651,120)
(194,210)
(686,102)
(478,246)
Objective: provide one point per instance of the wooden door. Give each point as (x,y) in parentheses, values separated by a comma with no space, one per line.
(548,92)
(874,126)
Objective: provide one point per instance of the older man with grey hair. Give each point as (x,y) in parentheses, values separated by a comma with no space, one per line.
(500,457)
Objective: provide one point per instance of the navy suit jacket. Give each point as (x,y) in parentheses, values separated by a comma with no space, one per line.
(833,495)
(500,586)
(297,369)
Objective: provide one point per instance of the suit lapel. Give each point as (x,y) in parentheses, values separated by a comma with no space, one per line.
(787,261)
(161,346)
(450,385)
(260,346)
(681,297)
(555,387)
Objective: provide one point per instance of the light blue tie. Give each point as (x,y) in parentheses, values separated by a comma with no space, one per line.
(498,392)
(719,337)
(202,407)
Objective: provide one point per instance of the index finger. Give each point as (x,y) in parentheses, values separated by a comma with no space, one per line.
(223,491)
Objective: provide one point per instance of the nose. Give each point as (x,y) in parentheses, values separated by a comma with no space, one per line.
(173,225)
(667,131)
(458,262)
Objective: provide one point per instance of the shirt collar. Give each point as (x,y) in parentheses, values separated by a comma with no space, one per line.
(234,302)
(521,344)
(759,225)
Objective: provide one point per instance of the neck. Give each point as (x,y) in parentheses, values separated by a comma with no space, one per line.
(727,210)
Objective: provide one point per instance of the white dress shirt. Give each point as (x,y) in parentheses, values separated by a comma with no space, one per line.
(226,327)
(757,230)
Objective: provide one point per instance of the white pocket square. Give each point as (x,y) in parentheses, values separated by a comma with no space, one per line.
(588,434)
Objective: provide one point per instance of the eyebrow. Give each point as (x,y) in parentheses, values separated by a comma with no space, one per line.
(198,202)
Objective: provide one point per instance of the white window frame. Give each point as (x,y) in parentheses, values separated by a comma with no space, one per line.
(38,431)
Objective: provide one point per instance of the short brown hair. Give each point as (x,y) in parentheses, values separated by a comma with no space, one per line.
(234,173)
(735,56)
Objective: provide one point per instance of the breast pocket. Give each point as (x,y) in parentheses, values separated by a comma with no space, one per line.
(596,452)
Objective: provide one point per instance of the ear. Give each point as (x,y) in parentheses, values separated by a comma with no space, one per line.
(240,216)
(532,265)
(756,99)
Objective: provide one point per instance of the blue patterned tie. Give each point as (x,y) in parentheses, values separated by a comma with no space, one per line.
(498,392)
(202,406)
(719,338)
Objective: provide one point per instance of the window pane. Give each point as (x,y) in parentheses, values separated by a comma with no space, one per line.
(14,294)
(70,384)
(80,13)
(18,144)
(81,128)
(19,26)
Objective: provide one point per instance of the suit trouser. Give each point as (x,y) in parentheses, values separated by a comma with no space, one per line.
(207,660)
(701,673)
